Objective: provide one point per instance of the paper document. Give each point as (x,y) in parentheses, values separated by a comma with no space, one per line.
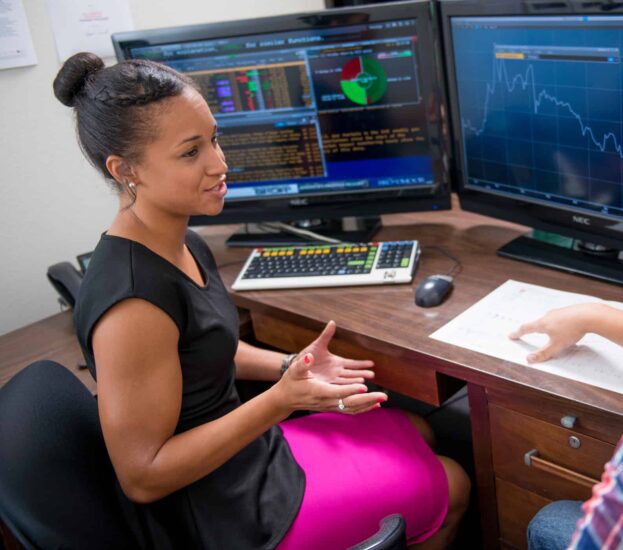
(16,48)
(485,327)
(86,25)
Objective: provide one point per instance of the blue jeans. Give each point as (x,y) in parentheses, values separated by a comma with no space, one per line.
(553,526)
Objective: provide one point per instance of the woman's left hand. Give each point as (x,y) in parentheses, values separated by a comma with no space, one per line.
(333,368)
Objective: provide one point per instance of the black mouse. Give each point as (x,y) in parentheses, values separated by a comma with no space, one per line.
(433,290)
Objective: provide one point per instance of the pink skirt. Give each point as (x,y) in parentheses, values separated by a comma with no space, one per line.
(359,469)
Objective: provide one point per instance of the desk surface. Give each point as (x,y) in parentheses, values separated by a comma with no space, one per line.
(384,318)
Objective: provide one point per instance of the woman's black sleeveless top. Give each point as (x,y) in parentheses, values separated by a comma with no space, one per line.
(252,499)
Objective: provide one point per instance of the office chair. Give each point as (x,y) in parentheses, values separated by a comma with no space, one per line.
(57,485)
(66,279)
(390,536)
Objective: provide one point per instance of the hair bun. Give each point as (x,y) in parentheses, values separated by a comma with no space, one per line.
(73,76)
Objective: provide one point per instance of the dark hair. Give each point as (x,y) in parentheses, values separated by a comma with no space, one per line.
(111,103)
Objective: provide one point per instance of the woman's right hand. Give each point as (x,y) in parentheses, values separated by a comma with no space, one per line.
(300,389)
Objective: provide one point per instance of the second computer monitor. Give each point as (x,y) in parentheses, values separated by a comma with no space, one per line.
(537,112)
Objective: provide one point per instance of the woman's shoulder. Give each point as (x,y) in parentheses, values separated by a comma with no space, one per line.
(110,267)
(121,269)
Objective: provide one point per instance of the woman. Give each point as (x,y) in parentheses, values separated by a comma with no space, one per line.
(160,333)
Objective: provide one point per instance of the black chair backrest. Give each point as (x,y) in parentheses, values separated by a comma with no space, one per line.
(66,279)
(57,485)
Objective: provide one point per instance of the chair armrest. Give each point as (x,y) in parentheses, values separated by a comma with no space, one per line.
(390,536)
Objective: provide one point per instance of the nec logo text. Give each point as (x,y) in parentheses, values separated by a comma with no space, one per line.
(581,219)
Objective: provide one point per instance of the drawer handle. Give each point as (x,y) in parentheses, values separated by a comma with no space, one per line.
(568,421)
(532,459)
(527,458)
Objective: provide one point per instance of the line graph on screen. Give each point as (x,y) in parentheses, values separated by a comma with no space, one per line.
(526,81)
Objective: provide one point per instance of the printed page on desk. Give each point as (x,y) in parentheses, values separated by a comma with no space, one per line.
(485,327)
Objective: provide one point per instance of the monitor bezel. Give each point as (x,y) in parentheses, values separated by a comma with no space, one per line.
(561,219)
(374,203)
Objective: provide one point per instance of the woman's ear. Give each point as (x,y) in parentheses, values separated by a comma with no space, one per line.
(120,169)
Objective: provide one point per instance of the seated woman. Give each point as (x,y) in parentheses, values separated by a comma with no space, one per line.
(161,335)
(598,523)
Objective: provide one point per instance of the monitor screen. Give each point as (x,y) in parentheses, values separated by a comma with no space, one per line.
(335,112)
(537,115)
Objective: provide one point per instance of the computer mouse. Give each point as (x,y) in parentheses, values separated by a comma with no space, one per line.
(433,290)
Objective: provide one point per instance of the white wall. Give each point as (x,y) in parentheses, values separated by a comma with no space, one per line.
(53,205)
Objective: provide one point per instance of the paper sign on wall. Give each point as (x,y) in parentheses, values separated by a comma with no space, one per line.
(86,25)
(16,48)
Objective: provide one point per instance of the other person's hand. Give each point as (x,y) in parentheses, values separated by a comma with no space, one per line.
(564,327)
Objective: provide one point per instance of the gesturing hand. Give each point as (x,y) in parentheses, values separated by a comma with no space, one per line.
(564,326)
(302,389)
(332,368)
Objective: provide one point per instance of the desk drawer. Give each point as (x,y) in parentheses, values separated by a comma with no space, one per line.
(550,460)
(392,370)
(552,409)
(516,507)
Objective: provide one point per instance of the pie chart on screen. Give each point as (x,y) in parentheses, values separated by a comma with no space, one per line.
(363,80)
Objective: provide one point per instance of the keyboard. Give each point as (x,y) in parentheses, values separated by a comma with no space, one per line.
(374,263)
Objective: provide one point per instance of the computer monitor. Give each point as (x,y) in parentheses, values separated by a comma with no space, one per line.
(536,105)
(326,115)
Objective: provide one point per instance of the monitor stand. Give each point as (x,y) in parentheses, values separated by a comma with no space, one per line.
(350,229)
(583,259)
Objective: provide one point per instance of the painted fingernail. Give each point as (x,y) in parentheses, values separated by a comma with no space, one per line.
(381,400)
(363,390)
(307,359)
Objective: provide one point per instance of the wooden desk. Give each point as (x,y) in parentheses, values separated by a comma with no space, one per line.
(52,338)
(513,409)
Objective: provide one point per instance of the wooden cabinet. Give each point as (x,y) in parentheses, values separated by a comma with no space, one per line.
(544,449)
(383,323)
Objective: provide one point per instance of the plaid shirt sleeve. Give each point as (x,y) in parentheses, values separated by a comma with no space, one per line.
(601,527)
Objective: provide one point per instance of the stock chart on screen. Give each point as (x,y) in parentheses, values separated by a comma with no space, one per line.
(541,107)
